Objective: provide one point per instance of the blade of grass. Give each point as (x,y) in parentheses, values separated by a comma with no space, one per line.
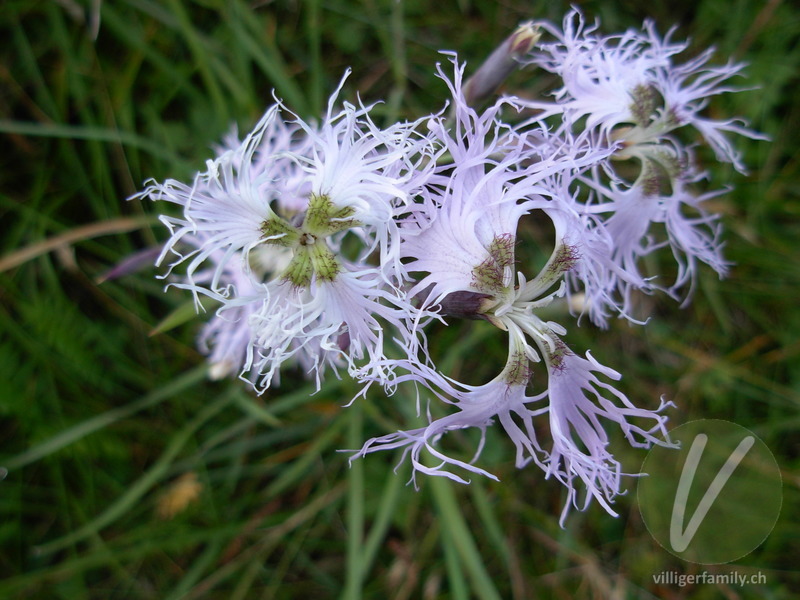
(268,57)
(183,313)
(250,407)
(456,533)
(112,226)
(355,509)
(202,56)
(268,542)
(288,558)
(390,496)
(199,566)
(80,132)
(455,576)
(398,59)
(135,39)
(143,484)
(489,519)
(73,434)
(300,467)
(47,106)
(314,37)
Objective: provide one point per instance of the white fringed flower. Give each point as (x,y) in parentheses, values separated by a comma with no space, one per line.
(368,174)
(226,206)
(630,215)
(602,76)
(461,238)
(630,88)
(475,407)
(324,323)
(577,405)
(227,335)
(263,230)
(462,233)
(323,242)
(630,91)
(580,406)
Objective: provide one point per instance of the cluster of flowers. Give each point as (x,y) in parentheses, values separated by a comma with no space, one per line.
(328,243)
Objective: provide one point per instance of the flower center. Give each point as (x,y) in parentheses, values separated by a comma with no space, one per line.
(307,239)
(311,255)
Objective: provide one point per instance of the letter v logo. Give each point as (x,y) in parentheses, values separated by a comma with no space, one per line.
(680,539)
(702,487)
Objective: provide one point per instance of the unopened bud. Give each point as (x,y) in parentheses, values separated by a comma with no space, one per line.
(500,64)
(464,305)
(343,341)
(131,264)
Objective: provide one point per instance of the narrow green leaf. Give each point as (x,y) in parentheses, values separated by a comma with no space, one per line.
(177,317)
(355,509)
(456,532)
(390,497)
(79,132)
(142,485)
(73,434)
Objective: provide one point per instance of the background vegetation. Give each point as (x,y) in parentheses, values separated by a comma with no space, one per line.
(130,475)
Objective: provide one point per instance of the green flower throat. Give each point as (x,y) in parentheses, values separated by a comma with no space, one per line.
(312,255)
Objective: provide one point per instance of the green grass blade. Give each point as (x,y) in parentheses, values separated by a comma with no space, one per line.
(390,496)
(456,533)
(73,434)
(143,484)
(355,509)
(79,132)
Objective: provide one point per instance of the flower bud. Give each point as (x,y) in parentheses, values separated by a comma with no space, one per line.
(500,64)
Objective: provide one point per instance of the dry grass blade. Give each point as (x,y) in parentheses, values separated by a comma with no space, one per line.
(79,234)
